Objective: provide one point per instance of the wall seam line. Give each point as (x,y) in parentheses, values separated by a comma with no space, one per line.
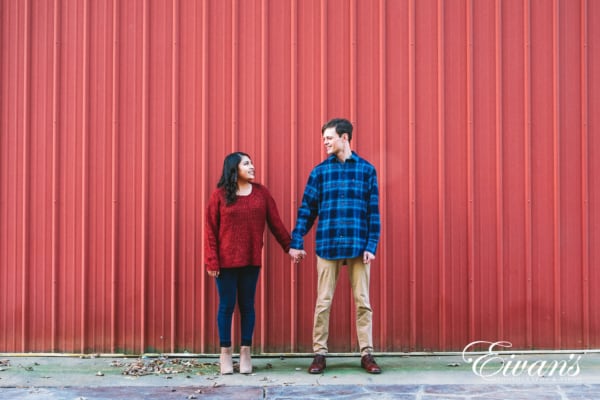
(84,171)
(441,118)
(55,178)
(556,172)
(355,143)
(144,224)
(470,174)
(234,74)
(263,145)
(412,173)
(585,175)
(294,168)
(174,169)
(234,134)
(353,67)
(383,166)
(499,171)
(115,174)
(528,173)
(26,180)
(204,162)
(323,76)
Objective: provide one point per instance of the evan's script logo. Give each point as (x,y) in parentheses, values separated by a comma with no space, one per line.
(493,365)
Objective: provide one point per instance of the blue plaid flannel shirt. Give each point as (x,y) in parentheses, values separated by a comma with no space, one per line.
(345,198)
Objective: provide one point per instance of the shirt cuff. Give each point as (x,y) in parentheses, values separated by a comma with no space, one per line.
(297,244)
(371,249)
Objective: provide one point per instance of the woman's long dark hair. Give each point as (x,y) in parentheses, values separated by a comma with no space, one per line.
(229,177)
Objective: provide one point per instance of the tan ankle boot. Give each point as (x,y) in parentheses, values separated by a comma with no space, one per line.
(226,361)
(245,360)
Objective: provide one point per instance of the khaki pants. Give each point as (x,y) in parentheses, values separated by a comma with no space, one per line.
(327,275)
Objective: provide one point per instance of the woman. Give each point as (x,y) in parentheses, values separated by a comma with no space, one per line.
(236,216)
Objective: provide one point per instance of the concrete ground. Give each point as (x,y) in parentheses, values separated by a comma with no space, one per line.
(448,376)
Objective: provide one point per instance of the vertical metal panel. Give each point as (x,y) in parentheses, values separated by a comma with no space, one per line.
(293,341)
(527,167)
(481,118)
(571,173)
(114,166)
(426,179)
(542,159)
(311,108)
(384,306)
(512,167)
(264,82)
(499,222)
(585,227)
(441,151)
(487,170)
(204,177)
(412,191)
(187,150)
(593,80)
(55,150)
(556,172)
(470,176)
(175,82)
(25,215)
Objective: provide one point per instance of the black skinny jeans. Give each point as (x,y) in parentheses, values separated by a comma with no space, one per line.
(237,284)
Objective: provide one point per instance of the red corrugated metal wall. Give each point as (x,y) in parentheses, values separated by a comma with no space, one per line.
(481,116)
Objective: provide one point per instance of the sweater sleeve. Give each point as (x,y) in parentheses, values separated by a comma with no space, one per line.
(276,226)
(211,233)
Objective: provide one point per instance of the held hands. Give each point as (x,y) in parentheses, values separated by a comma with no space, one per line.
(297,255)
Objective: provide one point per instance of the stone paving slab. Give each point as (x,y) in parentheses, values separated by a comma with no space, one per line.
(344,392)
(148,392)
(131,393)
(331,392)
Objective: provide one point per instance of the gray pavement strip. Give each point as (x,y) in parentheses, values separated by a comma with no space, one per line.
(309,392)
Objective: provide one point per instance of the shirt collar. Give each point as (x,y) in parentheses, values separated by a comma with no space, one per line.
(353,157)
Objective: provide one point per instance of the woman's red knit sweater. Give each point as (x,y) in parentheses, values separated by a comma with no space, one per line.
(234,233)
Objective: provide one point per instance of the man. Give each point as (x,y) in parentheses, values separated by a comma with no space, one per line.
(342,192)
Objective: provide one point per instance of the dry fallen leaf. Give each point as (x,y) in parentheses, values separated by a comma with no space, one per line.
(165,367)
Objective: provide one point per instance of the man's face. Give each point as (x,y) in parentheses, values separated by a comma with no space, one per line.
(334,144)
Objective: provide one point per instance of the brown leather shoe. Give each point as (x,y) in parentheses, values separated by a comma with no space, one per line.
(368,363)
(318,365)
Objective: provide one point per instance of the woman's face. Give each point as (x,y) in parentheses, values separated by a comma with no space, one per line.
(245,169)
